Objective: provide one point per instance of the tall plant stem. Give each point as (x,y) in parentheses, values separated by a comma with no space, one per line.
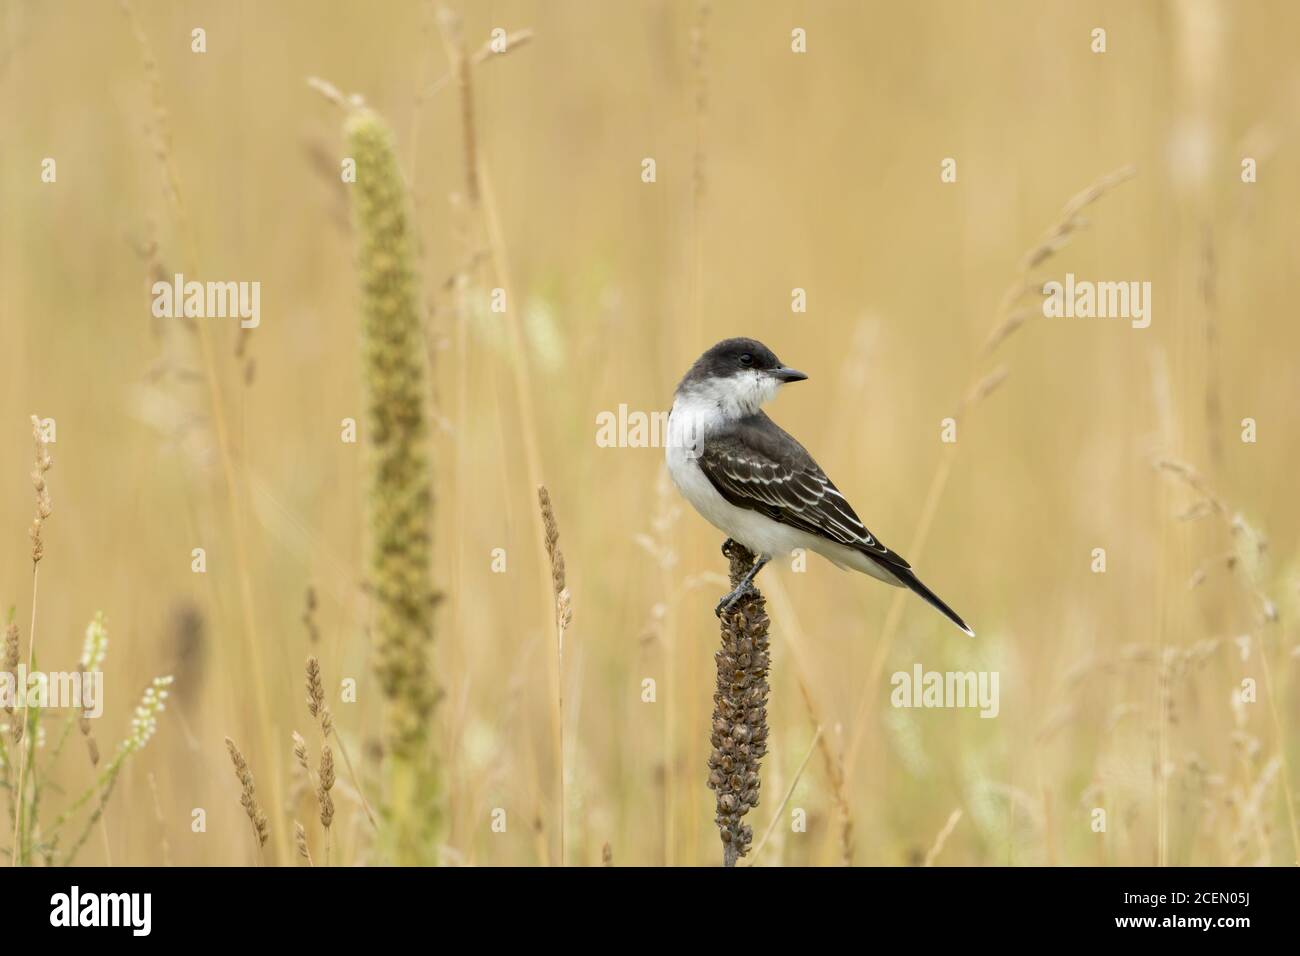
(15,858)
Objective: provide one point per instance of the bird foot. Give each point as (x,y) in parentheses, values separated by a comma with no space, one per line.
(731,597)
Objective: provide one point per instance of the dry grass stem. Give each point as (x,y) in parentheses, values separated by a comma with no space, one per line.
(1243,562)
(11,659)
(332,95)
(979,386)
(563,617)
(248,795)
(160,127)
(158,818)
(834,768)
(318,709)
(939,841)
(512,42)
(794,782)
(43,510)
(449,23)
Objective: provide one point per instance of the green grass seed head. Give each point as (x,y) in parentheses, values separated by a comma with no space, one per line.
(400,492)
(401,504)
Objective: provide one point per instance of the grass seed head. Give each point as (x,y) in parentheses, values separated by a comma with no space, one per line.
(300,841)
(316,705)
(395,374)
(326,785)
(43,505)
(248,795)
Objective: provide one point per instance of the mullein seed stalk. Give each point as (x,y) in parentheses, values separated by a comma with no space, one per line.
(400,493)
(739,730)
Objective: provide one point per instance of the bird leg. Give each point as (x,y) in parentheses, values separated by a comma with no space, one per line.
(745,586)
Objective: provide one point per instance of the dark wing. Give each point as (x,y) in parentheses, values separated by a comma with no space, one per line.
(754,464)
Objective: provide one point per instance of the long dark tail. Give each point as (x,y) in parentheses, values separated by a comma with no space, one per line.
(909,579)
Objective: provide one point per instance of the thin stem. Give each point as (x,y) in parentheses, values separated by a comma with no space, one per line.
(559,663)
(17,856)
(98,814)
(356,784)
(103,829)
(786,799)
(1056,236)
(1281,750)
(942,839)
(485,222)
(216,400)
(523,396)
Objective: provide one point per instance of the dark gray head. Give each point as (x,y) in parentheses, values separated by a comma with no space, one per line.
(733,357)
(738,373)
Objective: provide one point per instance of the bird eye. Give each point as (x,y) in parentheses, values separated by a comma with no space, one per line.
(747,360)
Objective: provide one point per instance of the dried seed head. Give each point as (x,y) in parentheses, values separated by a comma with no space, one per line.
(316,705)
(11,647)
(43,505)
(326,807)
(326,784)
(739,728)
(11,666)
(552,530)
(315,687)
(300,841)
(248,795)
(563,597)
(309,617)
(327,767)
(564,608)
(300,751)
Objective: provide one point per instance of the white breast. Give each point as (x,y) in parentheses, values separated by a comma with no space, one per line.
(689,422)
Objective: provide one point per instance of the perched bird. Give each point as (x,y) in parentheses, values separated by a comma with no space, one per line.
(753,481)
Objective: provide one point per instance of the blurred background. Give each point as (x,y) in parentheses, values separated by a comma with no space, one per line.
(774,171)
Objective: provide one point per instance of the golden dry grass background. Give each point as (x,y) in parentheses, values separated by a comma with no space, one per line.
(818,171)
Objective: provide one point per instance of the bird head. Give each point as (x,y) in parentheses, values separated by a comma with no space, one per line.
(739,374)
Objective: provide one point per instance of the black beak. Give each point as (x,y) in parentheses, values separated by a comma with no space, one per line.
(786,375)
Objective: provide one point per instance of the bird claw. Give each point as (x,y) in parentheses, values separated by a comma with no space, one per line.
(730,598)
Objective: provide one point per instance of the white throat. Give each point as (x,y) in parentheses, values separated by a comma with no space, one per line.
(731,398)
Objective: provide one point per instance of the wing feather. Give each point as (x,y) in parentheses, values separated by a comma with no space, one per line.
(754,464)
